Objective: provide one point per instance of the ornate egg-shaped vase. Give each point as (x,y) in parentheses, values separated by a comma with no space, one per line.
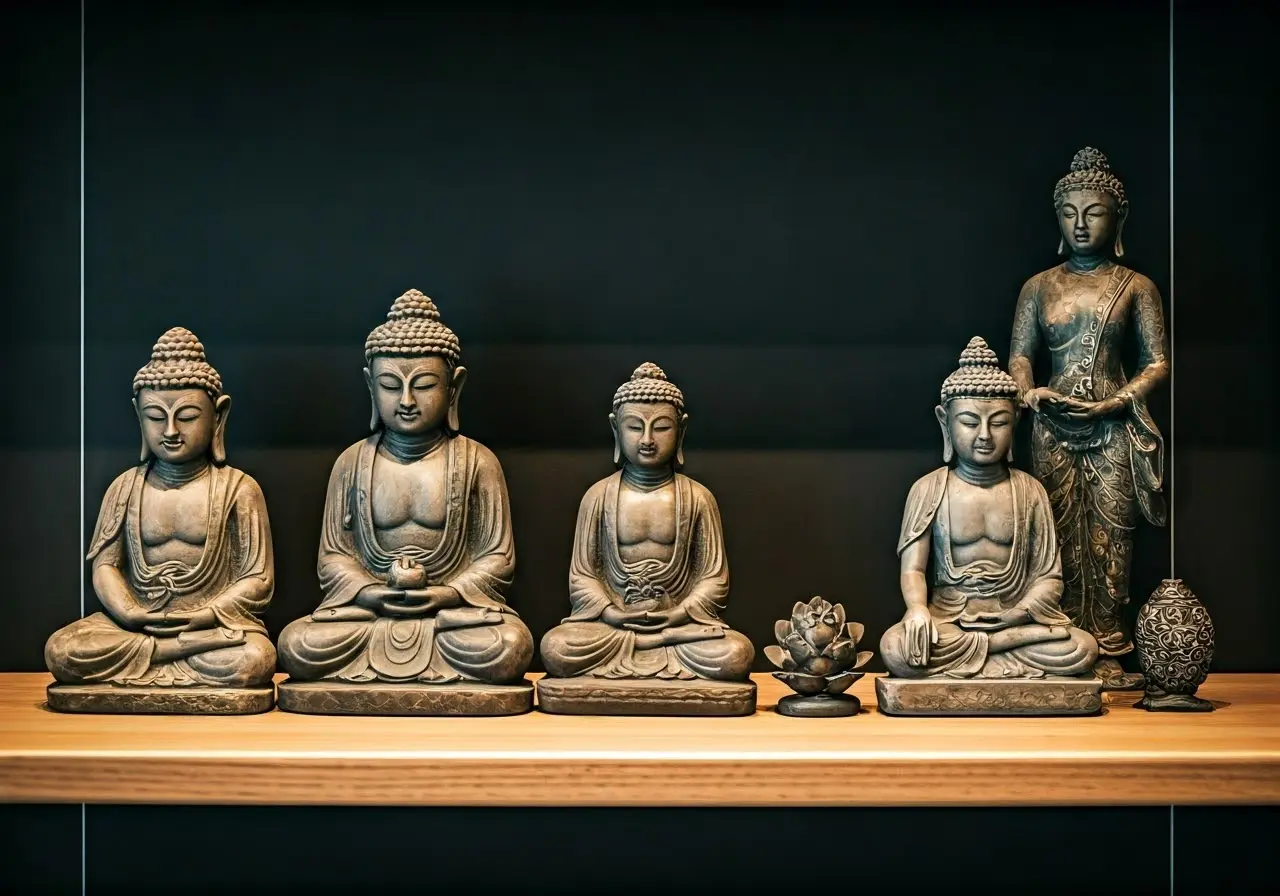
(1174,635)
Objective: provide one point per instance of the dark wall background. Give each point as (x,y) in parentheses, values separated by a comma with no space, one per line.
(802,216)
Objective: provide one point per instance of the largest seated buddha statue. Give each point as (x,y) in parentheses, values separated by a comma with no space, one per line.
(416,551)
(647,580)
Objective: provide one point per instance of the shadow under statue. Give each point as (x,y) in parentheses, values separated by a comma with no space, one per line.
(416,551)
(989,637)
(182,564)
(647,581)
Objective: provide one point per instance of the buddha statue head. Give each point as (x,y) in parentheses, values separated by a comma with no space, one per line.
(180,404)
(648,420)
(412,369)
(1091,206)
(979,409)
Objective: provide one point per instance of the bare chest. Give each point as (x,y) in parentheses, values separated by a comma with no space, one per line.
(979,515)
(174,523)
(1069,304)
(646,523)
(409,494)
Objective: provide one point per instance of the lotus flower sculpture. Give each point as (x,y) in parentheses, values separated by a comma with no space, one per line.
(817,652)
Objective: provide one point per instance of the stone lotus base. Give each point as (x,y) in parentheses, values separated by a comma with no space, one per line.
(381,698)
(587,696)
(109,698)
(1049,696)
(822,706)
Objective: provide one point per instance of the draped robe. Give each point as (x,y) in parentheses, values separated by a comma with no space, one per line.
(1100,474)
(234,579)
(475,556)
(696,577)
(1031,579)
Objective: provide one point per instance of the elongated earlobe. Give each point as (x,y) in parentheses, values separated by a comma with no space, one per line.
(1119,245)
(684,427)
(453,423)
(1062,245)
(145,454)
(374,419)
(617,446)
(221,410)
(948,451)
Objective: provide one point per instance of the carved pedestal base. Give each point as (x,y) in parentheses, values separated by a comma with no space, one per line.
(1050,696)
(382,698)
(1161,702)
(113,699)
(587,696)
(822,706)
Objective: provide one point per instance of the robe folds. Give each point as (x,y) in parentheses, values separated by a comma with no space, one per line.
(1031,579)
(234,579)
(475,556)
(696,578)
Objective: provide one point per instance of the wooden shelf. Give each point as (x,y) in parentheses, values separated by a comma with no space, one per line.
(1124,757)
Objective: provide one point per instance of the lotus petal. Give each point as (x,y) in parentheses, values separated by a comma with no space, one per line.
(781,629)
(855,630)
(779,657)
(842,653)
(808,685)
(816,603)
(838,684)
(797,616)
(839,614)
(798,647)
(819,665)
(861,661)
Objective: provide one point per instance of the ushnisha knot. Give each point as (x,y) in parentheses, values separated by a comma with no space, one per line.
(413,330)
(178,362)
(1090,170)
(649,384)
(979,375)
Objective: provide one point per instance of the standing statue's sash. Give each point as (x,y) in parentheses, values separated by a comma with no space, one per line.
(1146,445)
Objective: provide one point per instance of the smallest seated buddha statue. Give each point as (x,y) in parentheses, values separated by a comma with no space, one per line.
(182,563)
(647,581)
(989,637)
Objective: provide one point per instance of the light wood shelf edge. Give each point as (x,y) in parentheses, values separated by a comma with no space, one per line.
(1126,757)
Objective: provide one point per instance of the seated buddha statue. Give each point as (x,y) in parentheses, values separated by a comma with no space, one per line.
(992,614)
(416,551)
(182,563)
(647,580)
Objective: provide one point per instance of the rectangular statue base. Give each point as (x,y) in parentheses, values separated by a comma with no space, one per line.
(385,698)
(187,701)
(587,696)
(1049,696)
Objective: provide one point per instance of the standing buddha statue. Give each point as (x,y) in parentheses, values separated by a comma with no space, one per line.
(182,563)
(1094,444)
(416,551)
(647,580)
(989,636)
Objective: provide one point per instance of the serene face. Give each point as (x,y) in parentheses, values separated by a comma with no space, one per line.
(411,394)
(177,424)
(981,429)
(648,433)
(1088,219)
